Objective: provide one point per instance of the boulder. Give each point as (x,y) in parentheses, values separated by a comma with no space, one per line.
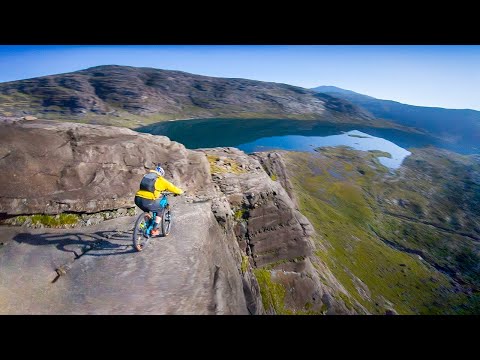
(51,167)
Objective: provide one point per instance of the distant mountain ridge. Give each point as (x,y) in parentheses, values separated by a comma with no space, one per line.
(334,89)
(453,125)
(147,95)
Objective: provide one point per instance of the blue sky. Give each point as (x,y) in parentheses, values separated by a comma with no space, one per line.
(444,76)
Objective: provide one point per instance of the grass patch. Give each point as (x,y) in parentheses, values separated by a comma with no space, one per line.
(53,221)
(18,220)
(228,165)
(239,214)
(273,294)
(346,300)
(379,153)
(273,265)
(342,213)
(244,263)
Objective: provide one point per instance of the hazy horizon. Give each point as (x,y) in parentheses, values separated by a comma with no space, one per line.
(424,75)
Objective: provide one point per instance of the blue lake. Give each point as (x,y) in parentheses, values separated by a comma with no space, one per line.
(252,135)
(354,139)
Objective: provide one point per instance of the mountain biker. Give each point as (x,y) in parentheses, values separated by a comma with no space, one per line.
(148,197)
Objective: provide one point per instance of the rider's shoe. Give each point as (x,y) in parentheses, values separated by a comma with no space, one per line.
(155,232)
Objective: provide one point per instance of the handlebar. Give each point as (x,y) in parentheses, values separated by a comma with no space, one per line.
(167,193)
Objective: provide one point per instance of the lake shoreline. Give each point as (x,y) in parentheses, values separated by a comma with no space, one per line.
(231,132)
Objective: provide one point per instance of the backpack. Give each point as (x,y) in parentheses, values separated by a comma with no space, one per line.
(148,182)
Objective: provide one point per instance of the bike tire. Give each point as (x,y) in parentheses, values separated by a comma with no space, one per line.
(166,224)
(140,241)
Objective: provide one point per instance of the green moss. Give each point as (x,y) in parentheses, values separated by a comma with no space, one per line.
(60,220)
(379,153)
(324,308)
(244,263)
(45,220)
(55,220)
(18,220)
(348,167)
(273,294)
(346,300)
(68,219)
(239,214)
(230,166)
(273,265)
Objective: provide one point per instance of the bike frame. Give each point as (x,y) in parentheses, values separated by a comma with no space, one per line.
(163,204)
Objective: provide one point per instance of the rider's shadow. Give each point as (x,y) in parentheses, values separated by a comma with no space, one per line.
(101,243)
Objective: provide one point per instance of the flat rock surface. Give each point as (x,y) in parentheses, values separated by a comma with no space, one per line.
(184,273)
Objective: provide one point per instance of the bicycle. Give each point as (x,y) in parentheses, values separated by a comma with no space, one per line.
(146,220)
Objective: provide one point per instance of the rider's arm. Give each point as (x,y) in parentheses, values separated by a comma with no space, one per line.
(163,184)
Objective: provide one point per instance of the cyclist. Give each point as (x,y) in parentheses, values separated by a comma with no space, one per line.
(148,197)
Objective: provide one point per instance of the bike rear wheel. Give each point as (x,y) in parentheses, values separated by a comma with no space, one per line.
(166,221)
(140,239)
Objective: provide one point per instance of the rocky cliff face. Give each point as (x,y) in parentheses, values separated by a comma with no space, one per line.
(241,245)
(274,235)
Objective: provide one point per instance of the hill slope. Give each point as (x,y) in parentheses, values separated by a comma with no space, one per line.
(408,240)
(451,124)
(130,96)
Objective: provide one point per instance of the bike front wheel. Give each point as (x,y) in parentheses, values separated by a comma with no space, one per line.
(166,222)
(140,238)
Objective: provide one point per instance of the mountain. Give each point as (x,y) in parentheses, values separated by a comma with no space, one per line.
(129,96)
(453,125)
(331,231)
(334,89)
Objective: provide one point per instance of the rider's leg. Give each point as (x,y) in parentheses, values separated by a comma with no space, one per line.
(158,218)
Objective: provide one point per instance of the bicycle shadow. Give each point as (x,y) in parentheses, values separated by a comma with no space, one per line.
(100,243)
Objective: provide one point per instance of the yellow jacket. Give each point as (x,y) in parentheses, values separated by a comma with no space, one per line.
(160,185)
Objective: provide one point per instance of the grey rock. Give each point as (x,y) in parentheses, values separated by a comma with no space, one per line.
(56,167)
(272,223)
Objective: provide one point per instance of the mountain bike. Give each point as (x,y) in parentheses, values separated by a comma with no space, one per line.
(146,220)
